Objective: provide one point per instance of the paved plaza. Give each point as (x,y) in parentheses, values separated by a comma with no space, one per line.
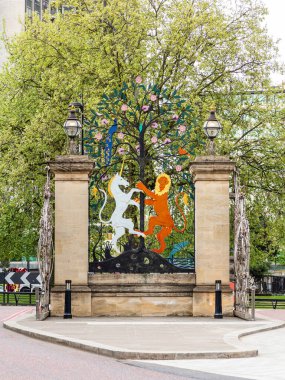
(163,338)
(268,365)
(147,338)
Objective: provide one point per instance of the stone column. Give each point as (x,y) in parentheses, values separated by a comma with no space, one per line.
(212,230)
(71,233)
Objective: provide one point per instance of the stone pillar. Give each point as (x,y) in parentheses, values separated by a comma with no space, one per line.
(212,230)
(71,233)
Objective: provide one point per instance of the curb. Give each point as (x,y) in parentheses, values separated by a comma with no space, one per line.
(117,353)
(234,337)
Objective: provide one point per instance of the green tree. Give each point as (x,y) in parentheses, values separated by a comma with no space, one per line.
(208,52)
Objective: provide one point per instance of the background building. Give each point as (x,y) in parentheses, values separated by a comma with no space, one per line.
(12,17)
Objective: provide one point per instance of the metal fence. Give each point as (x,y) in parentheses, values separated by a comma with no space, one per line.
(17,298)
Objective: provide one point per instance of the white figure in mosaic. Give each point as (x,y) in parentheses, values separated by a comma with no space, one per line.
(123,200)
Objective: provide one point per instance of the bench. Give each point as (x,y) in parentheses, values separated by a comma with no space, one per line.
(265,301)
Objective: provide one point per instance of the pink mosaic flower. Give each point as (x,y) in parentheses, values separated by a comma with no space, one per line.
(178,168)
(145,108)
(154,125)
(104,177)
(98,136)
(175,117)
(104,121)
(182,128)
(138,79)
(124,107)
(167,141)
(121,151)
(153,97)
(121,135)
(154,139)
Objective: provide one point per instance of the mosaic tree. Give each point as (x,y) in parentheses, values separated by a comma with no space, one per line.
(141,130)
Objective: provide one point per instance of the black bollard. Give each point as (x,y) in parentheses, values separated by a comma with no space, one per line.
(67,304)
(218,300)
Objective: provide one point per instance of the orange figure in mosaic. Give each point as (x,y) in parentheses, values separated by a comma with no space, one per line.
(159,200)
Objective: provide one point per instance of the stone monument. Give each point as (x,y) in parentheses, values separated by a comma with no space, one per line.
(212,232)
(121,294)
(71,233)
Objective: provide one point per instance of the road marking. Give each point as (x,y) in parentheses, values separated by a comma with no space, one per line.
(165,323)
(16,314)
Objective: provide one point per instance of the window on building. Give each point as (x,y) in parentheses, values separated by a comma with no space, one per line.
(29,8)
(62,9)
(45,5)
(37,6)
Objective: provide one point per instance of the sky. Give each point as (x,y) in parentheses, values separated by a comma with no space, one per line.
(276,27)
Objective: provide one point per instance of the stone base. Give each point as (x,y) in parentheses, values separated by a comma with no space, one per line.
(141,306)
(80,301)
(204,301)
(138,295)
(141,295)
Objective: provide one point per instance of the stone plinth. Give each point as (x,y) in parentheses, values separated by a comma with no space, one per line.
(212,230)
(71,233)
(154,294)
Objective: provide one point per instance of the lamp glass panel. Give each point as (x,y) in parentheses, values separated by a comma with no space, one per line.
(72,127)
(72,130)
(213,124)
(212,132)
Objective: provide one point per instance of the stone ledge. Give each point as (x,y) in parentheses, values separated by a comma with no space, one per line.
(212,158)
(212,168)
(179,279)
(71,164)
(211,289)
(74,289)
(141,294)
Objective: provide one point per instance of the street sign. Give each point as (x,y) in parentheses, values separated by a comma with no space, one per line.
(21,278)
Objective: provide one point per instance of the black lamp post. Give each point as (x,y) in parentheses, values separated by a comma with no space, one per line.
(67,301)
(218,300)
(72,128)
(79,106)
(212,128)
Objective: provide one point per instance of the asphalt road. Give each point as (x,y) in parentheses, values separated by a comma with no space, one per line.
(31,359)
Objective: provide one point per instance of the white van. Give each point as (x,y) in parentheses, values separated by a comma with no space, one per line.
(24,288)
(33,267)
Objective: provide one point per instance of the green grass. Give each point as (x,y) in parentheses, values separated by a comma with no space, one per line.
(23,299)
(279,297)
(263,305)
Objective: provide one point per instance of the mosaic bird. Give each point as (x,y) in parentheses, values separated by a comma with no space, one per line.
(109,142)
